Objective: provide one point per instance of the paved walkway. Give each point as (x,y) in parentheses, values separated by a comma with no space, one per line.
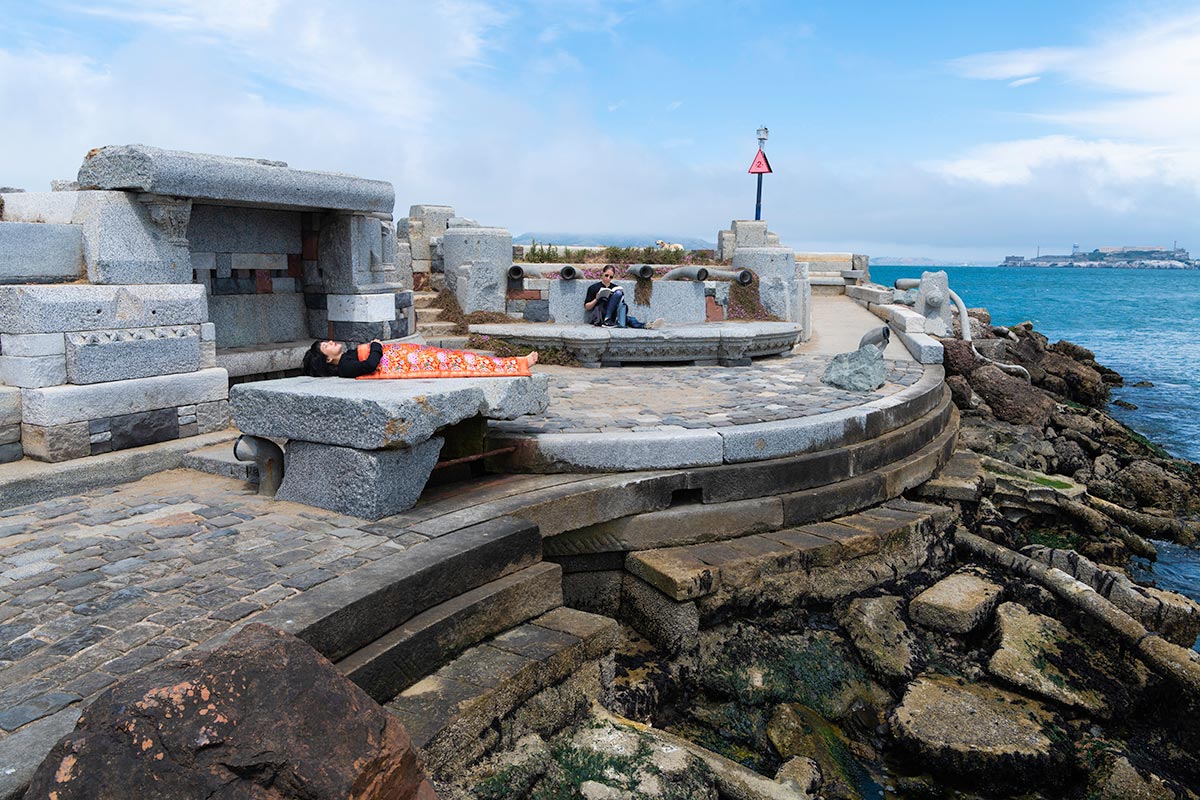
(665,398)
(839,323)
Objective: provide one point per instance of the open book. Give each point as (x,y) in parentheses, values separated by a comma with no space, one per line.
(603,293)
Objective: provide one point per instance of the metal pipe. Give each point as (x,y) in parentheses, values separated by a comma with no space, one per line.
(742,276)
(567,272)
(516,272)
(640,271)
(689,273)
(965,323)
(267,455)
(476,457)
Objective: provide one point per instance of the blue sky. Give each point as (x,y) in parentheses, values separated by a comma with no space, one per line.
(959,131)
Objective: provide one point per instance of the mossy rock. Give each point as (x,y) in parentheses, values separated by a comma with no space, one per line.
(818,669)
(797,730)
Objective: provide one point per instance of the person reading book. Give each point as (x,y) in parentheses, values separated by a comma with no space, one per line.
(605,304)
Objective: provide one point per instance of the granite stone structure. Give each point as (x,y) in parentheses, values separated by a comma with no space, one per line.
(129,299)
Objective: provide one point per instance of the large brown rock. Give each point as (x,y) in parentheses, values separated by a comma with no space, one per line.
(262,717)
(1154,486)
(1082,383)
(1010,398)
(958,357)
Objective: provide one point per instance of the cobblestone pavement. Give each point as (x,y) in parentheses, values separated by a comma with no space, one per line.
(96,586)
(663,398)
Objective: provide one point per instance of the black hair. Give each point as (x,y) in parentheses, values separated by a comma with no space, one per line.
(315,363)
(610,266)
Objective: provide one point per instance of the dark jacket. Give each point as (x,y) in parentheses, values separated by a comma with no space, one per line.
(349,366)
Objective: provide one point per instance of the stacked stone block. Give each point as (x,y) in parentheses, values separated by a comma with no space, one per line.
(183,254)
(10,424)
(529,299)
(476,263)
(423,229)
(744,233)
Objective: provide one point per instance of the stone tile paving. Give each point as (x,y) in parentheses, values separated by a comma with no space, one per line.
(664,398)
(96,586)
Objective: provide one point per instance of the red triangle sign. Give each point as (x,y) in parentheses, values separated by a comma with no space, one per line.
(760,164)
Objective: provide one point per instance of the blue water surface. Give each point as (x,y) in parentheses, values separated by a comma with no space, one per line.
(1144,323)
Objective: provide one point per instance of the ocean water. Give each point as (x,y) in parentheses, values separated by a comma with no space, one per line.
(1143,323)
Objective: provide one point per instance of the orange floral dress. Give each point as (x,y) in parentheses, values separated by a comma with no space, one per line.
(402,360)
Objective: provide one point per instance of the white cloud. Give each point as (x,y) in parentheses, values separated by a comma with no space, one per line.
(1024,81)
(674,104)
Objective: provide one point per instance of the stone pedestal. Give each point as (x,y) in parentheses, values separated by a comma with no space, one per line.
(476,262)
(360,483)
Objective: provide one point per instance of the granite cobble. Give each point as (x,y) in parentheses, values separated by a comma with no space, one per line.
(664,398)
(96,586)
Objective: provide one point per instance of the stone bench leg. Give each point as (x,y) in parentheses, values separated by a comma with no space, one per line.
(360,483)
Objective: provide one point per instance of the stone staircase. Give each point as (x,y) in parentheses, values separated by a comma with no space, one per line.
(430,325)
(455,635)
(668,594)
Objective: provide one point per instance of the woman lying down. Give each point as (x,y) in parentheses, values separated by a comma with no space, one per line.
(378,361)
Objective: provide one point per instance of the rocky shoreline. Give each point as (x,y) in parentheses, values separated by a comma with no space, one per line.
(1023,661)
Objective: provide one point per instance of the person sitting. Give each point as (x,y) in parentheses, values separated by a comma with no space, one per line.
(378,361)
(605,304)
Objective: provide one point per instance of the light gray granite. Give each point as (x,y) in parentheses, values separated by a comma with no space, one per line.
(361,483)
(125,353)
(128,241)
(32,372)
(59,405)
(243,181)
(226,229)
(40,253)
(617,452)
(82,307)
(370,415)
(245,320)
(10,406)
(56,208)
(354,253)
(934,303)
(713,341)
(677,302)
(476,264)
(32,344)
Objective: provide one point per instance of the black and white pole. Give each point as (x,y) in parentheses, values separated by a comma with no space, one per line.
(762,139)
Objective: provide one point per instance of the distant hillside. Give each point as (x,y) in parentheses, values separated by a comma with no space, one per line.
(613,239)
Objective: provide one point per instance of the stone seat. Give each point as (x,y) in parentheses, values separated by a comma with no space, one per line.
(367,448)
(709,343)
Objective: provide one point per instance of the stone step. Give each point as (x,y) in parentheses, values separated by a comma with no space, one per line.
(429,314)
(218,459)
(447,342)
(428,329)
(466,707)
(350,612)
(424,642)
(963,478)
(667,595)
(423,299)
(694,571)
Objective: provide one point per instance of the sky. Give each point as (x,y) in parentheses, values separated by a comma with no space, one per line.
(948,130)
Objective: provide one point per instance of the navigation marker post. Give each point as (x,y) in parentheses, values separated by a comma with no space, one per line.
(759,167)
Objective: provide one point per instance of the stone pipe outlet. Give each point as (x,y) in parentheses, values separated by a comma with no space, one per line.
(640,271)
(567,272)
(267,455)
(742,276)
(687,273)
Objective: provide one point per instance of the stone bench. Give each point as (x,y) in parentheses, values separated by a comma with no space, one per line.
(367,448)
(724,343)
